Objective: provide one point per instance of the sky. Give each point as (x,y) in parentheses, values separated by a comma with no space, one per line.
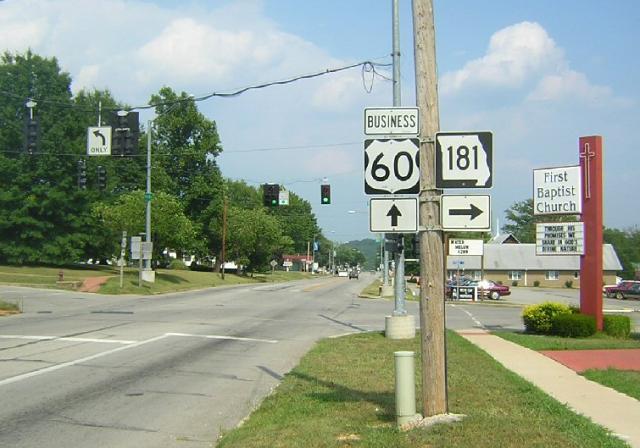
(538,75)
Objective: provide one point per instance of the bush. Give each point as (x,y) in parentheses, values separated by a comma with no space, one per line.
(538,318)
(178,265)
(514,283)
(568,284)
(536,283)
(573,325)
(200,267)
(617,326)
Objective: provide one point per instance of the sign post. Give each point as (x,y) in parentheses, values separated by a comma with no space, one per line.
(590,154)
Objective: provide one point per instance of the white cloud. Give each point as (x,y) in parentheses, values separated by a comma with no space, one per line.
(515,54)
(330,162)
(572,85)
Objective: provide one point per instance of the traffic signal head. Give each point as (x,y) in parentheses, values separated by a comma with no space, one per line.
(325,194)
(126,129)
(271,195)
(82,174)
(102,178)
(31,140)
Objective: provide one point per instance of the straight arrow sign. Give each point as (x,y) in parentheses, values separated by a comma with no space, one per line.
(393,215)
(470,213)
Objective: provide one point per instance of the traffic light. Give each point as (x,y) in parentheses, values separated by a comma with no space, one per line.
(102,178)
(31,138)
(325,194)
(126,129)
(82,174)
(271,195)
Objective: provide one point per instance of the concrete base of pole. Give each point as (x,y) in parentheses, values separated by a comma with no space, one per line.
(386,291)
(400,327)
(430,421)
(148,275)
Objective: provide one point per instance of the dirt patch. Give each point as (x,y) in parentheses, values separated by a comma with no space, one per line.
(581,360)
(93,284)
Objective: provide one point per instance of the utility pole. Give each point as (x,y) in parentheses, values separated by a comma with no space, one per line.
(148,274)
(224,234)
(432,323)
(399,294)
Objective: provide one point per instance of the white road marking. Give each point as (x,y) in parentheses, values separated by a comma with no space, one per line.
(129,345)
(70,339)
(473,318)
(214,336)
(24,376)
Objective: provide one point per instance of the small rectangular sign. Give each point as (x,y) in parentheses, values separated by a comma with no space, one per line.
(464,292)
(136,242)
(469,213)
(466,247)
(99,141)
(557,191)
(560,238)
(147,250)
(391,121)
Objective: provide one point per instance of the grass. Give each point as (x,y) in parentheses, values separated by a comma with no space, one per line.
(8,308)
(543,342)
(166,280)
(624,381)
(373,290)
(342,394)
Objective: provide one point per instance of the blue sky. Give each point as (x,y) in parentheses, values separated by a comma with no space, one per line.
(539,74)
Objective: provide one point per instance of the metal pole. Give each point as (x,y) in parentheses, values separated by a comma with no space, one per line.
(434,386)
(147,263)
(224,235)
(399,255)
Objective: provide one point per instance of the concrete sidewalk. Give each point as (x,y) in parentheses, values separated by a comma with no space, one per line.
(615,411)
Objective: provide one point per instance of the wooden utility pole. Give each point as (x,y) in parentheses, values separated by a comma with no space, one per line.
(224,234)
(432,326)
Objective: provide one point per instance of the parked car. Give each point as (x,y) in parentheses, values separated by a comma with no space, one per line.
(618,290)
(353,273)
(492,290)
(631,292)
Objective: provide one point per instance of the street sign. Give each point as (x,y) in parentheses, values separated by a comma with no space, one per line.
(391,166)
(99,141)
(464,160)
(560,238)
(557,191)
(393,215)
(464,292)
(135,247)
(391,121)
(147,250)
(466,247)
(283,197)
(470,213)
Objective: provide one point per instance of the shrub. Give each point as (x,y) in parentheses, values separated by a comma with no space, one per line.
(537,318)
(573,325)
(536,283)
(200,267)
(617,326)
(178,265)
(568,284)
(514,283)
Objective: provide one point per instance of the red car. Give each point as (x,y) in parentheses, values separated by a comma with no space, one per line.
(492,289)
(618,291)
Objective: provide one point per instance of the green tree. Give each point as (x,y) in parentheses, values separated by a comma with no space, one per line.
(349,256)
(522,222)
(169,225)
(254,238)
(186,144)
(627,246)
(297,221)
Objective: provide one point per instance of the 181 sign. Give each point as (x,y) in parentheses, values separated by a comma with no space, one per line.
(464,160)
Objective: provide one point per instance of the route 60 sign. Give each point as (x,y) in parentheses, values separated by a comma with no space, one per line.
(391,166)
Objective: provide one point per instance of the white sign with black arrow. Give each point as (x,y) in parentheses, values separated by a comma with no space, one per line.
(397,215)
(99,141)
(470,213)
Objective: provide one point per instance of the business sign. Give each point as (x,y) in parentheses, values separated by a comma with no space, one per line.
(391,121)
(560,238)
(464,292)
(393,215)
(464,160)
(557,191)
(392,166)
(466,247)
(99,141)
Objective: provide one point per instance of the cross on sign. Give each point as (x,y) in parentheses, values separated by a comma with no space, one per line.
(587,155)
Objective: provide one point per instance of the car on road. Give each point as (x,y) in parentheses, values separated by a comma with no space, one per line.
(618,290)
(492,290)
(353,273)
(632,292)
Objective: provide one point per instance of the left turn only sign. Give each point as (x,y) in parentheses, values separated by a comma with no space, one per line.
(99,141)
(388,215)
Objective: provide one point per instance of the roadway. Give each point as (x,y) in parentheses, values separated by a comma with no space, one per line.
(81,369)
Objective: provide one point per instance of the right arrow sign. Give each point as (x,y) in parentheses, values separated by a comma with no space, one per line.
(470,213)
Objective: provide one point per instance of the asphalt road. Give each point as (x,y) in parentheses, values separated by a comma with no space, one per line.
(84,370)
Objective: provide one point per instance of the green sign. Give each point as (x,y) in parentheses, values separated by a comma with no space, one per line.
(147,197)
